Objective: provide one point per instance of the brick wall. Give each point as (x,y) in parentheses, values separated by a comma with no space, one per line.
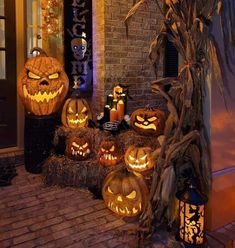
(121,60)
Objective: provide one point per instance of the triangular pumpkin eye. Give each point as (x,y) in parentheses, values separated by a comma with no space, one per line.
(102,149)
(139,118)
(154,118)
(110,191)
(33,76)
(131,158)
(84,110)
(112,149)
(132,195)
(85,146)
(54,76)
(70,110)
(144,157)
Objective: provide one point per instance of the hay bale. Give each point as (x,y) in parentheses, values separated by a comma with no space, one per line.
(64,172)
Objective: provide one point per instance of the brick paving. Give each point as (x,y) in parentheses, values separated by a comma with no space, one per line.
(33,215)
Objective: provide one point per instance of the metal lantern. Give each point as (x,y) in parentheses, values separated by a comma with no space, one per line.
(191,217)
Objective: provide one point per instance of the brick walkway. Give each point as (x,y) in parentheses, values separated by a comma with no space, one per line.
(32,215)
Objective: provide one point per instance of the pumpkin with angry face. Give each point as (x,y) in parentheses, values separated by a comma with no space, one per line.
(76,113)
(148,121)
(109,153)
(78,148)
(42,85)
(125,193)
(139,158)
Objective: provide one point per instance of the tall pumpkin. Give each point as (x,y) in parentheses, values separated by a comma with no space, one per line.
(76,112)
(42,85)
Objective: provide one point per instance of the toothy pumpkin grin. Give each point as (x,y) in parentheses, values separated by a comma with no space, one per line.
(78,148)
(42,96)
(77,121)
(108,157)
(124,210)
(148,126)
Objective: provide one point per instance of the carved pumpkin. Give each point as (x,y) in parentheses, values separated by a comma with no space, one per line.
(42,85)
(117,92)
(76,113)
(148,121)
(109,153)
(78,148)
(125,193)
(139,158)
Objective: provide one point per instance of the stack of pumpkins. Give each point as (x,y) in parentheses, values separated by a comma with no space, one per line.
(125,191)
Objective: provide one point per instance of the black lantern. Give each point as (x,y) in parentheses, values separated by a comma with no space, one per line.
(191,217)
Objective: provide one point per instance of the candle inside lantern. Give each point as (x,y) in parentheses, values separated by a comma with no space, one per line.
(114,112)
(120,110)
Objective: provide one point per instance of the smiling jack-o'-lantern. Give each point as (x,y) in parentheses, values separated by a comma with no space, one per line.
(42,85)
(125,193)
(148,121)
(78,148)
(139,158)
(76,113)
(109,153)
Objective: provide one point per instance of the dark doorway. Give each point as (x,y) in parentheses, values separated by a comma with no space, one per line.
(8,115)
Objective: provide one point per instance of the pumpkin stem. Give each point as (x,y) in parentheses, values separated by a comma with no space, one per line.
(40,50)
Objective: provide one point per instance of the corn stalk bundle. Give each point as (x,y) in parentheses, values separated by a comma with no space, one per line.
(187,24)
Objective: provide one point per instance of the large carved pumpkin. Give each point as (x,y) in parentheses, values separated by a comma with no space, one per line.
(76,113)
(42,85)
(78,148)
(109,153)
(125,193)
(148,121)
(139,158)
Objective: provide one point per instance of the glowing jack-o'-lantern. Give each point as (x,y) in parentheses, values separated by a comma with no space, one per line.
(125,193)
(192,217)
(139,158)
(42,85)
(78,148)
(76,113)
(148,121)
(109,153)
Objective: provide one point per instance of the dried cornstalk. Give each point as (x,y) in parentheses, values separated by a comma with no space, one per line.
(187,24)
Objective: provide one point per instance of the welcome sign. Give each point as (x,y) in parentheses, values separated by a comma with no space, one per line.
(78,43)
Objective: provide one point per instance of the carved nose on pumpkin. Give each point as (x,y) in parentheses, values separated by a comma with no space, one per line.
(119,198)
(44,82)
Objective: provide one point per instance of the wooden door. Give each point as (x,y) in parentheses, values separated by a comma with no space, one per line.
(8,116)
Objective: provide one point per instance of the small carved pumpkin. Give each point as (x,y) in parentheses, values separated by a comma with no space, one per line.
(117,92)
(125,193)
(78,148)
(42,85)
(139,158)
(76,113)
(109,153)
(148,121)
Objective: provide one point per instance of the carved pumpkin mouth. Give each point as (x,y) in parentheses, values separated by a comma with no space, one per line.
(149,126)
(108,156)
(77,121)
(41,96)
(121,210)
(139,166)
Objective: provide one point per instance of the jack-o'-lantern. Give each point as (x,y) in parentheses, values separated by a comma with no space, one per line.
(125,193)
(148,121)
(117,92)
(76,113)
(139,158)
(109,153)
(42,85)
(78,148)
